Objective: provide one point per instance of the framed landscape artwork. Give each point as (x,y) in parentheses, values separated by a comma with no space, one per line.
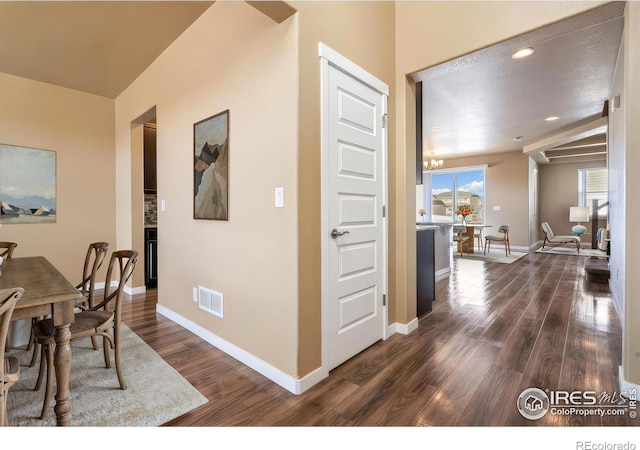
(27,185)
(211,168)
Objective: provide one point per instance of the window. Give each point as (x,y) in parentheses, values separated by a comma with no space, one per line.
(593,185)
(449,190)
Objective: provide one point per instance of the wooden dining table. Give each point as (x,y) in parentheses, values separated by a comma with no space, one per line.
(471,227)
(46,292)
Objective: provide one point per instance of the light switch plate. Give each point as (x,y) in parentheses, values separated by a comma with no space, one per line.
(279,197)
(496,208)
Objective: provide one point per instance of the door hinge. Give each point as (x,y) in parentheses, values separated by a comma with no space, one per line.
(384,210)
(384,120)
(384,299)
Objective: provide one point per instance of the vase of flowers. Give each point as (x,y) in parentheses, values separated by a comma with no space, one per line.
(464,211)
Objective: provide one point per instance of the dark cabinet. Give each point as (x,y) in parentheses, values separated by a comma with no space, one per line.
(426,270)
(150,183)
(151,257)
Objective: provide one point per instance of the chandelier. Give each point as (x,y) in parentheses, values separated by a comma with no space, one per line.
(433,164)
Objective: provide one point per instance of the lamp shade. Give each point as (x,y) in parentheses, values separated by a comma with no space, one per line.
(578,214)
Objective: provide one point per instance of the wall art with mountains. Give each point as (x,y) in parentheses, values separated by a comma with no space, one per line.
(27,185)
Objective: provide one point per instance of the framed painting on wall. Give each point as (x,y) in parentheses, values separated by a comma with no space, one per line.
(27,185)
(211,168)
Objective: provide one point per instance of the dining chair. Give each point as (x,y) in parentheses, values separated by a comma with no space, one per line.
(7,248)
(6,252)
(502,239)
(96,254)
(460,237)
(9,367)
(101,319)
(477,234)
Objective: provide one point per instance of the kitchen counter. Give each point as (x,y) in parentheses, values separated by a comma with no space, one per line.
(434,260)
(442,245)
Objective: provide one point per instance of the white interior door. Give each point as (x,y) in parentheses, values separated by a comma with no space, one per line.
(355,190)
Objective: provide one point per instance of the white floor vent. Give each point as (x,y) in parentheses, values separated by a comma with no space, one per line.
(210,300)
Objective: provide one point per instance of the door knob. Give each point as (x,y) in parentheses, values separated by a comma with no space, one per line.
(335,233)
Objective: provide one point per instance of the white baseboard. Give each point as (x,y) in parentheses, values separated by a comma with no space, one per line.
(134,290)
(443,273)
(626,386)
(402,328)
(616,305)
(127,289)
(535,246)
(291,384)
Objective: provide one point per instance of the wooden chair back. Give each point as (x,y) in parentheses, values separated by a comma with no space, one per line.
(8,300)
(120,269)
(7,248)
(504,229)
(96,254)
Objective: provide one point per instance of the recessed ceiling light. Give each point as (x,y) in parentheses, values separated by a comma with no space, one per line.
(435,129)
(522,53)
(552,118)
(518,138)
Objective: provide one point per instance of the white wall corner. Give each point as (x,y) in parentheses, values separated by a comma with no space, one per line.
(132,290)
(402,328)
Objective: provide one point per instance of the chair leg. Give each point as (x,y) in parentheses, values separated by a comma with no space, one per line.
(107,359)
(49,388)
(94,342)
(116,344)
(43,367)
(34,355)
(3,407)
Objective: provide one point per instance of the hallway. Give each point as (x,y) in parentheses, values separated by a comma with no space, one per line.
(495,330)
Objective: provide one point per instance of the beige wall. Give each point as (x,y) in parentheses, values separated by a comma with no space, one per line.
(80,129)
(363,33)
(617,166)
(558,192)
(631,343)
(506,186)
(429,33)
(233,58)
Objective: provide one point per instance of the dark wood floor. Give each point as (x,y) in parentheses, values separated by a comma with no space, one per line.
(495,330)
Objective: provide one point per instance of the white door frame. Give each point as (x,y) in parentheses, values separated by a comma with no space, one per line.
(329,57)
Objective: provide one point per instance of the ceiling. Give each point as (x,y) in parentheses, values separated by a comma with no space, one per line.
(480,102)
(98,47)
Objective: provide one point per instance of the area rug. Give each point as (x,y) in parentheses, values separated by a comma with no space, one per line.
(492,257)
(155,394)
(571,251)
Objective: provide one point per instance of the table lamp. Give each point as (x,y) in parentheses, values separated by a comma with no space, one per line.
(578,214)
(422,212)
